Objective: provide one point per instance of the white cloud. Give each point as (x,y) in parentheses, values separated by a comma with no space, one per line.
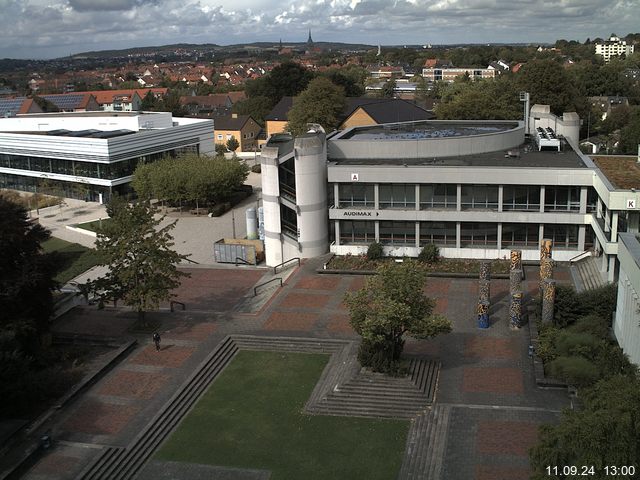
(40,28)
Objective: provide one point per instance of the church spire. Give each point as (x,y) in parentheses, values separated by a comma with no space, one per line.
(310,40)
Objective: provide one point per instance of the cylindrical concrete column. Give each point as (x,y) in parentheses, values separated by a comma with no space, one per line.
(516,260)
(252,223)
(483,314)
(545,248)
(269,163)
(515,281)
(311,193)
(485,271)
(548,300)
(515,310)
(484,290)
(546,271)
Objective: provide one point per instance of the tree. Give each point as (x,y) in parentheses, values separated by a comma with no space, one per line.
(391,304)
(322,102)
(232,144)
(26,278)
(388,89)
(287,79)
(605,432)
(630,134)
(142,265)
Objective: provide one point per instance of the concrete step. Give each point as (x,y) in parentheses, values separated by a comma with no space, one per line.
(437,441)
(416,452)
(588,271)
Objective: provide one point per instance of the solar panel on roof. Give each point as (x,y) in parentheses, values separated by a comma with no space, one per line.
(64,102)
(10,105)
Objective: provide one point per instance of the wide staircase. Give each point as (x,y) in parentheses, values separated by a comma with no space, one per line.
(586,274)
(426,445)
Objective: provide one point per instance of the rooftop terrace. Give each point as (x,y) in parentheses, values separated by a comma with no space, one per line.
(622,172)
(426,130)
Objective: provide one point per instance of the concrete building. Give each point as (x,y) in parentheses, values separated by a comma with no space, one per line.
(449,74)
(626,325)
(614,47)
(93,154)
(477,189)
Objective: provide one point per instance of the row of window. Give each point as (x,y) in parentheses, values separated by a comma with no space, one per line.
(108,171)
(471,234)
(482,197)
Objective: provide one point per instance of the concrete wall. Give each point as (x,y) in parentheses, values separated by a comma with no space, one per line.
(271,206)
(626,325)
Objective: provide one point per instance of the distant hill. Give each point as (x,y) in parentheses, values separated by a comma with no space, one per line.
(212,47)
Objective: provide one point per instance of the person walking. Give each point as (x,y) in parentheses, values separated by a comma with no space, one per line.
(156,340)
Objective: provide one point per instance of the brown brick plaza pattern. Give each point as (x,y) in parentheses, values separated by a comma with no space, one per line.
(291,321)
(305,300)
(437,287)
(506,438)
(129,384)
(196,332)
(168,356)
(339,323)
(490,347)
(318,283)
(99,418)
(55,463)
(492,380)
(489,472)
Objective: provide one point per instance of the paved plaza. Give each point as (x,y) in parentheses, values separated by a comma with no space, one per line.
(486,382)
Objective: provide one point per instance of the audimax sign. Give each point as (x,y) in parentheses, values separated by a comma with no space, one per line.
(359,213)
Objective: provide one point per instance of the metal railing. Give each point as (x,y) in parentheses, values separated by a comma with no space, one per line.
(255,289)
(243,261)
(285,262)
(580,256)
(175,302)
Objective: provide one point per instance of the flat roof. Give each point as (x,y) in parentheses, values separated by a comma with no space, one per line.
(622,171)
(524,156)
(426,129)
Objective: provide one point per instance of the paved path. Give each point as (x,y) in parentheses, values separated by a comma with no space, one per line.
(486,383)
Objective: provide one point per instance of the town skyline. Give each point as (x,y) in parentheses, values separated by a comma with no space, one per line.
(35,29)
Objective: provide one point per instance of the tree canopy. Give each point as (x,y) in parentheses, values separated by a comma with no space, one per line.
(189,178)
(142,266)
(322,102)
(390,305)
(26,278)
(287,79)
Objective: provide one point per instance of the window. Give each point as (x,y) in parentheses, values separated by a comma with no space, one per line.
(438,233)
(565,237)
(355,195)
(520,235)
(220,136)
(478,234)
(289,222)
(438,196)
(482,197)
(398,233)
(562,199)
(357,232)
(397,196)
(521,197)
(229,136)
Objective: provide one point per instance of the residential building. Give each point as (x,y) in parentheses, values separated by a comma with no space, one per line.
(10,107)
(476,189)
(73,102)
(124,100)
(614,47)
(449,74)
(241,127)
(92,155)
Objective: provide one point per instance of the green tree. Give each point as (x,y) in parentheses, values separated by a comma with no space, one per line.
(388,89)
(549,84)
(138,253)
(322,102)
(258,107)
(391,304)
(630,134)
(480,100)
(233,144)
(287,79)
(605,432)
(26,278)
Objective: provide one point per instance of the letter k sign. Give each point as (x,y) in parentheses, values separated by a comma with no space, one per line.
(631,204)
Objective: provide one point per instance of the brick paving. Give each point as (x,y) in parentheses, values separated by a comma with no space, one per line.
(486,375)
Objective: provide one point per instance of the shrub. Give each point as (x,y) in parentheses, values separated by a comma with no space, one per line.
(546,348)
(375,252)
(576,371)
(613,361)
(430,253)
(570,343)
(220,149)
(570,306)
(376,357)
(593,324)
(219,208)
(256,168)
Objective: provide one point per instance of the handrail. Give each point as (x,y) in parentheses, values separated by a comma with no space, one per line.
(192,261)
(255,293)
(243,261)
(285,262)
(586,253)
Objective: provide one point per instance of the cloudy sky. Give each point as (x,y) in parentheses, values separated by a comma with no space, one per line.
(54,28)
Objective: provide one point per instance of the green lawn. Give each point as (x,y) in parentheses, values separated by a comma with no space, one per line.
(251,417)
(93,225)
(75,258)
